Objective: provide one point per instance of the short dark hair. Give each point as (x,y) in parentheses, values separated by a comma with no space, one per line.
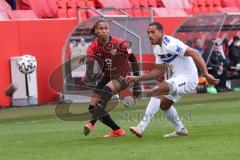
(236,38)
(158,25)
(95,25)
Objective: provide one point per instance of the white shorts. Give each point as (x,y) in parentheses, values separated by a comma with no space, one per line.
(181,84)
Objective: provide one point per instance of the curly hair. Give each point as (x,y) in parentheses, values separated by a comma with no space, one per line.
(95,25)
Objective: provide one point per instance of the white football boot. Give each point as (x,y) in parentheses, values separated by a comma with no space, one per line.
(181,132)
(137,131)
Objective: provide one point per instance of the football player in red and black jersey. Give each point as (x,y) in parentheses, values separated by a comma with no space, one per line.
(113,55)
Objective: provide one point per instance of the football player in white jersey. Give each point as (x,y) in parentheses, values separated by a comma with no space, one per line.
(173,54)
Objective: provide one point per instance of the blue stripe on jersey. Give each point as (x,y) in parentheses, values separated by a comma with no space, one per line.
(166,40)
(169,59)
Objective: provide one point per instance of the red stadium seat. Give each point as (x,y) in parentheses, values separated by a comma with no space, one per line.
(129,12)
(62,4)
(21,14)
(203,10)
(135,3)
(72,13)
(90,12)
(209,3)
(228,10)
(71,4)
(123,4)
(152,3)
(202,6)
(105,3)
(160,3)
(229,3)
(188,7)
(164,12)
(217,3)
(210,7)
(91,4)
(84,15)
(212,10)
(43,8)
(80,3)
(196,11)
(143,3)
(189,11)
(145,12)
(194,3)
(61,13)
(201,3)
(137,12)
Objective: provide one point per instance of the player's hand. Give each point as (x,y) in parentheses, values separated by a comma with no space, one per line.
(129,79)
(136,90)
(211,80)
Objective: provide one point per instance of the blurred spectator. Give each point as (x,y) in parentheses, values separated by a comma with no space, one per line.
(12,3)
(234,51)
(197,46)
(218,66)
(225,46)
(189,43)
(207,49)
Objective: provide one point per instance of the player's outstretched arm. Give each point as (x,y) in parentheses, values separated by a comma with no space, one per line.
(135,70)
(157,72)
(134,64)
(201,64)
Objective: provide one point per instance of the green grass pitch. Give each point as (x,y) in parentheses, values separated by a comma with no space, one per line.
(34,133)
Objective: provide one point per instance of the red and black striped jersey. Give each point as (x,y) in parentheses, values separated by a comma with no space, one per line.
(112,57)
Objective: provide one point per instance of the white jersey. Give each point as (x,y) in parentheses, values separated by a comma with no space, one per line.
(172,52)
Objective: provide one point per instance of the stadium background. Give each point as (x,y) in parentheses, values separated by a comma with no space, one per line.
(36,133)
(40,28)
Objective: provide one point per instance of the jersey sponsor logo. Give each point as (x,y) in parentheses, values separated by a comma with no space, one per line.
(109,66)
(179,49)
(129,50)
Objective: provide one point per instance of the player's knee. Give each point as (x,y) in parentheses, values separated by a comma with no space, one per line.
(99,111)
(164,107)
(91,108)
(165,103)
(171,87)
(106,93)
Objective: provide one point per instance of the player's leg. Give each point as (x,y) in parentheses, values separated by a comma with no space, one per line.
(181,84)
(164,103)
(152,107)
(172,115)
(93,102)
(106,93)
(162,89)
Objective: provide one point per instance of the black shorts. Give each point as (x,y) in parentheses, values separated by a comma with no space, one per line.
(104,80)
